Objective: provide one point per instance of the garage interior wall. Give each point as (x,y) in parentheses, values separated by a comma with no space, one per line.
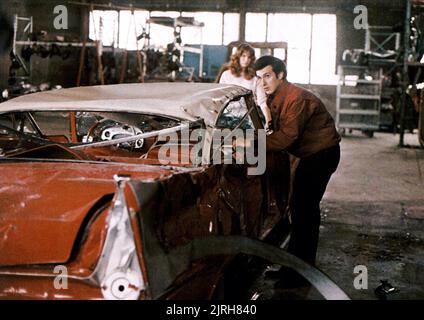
(64,72)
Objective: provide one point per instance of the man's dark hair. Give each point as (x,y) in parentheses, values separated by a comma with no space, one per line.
(277,65)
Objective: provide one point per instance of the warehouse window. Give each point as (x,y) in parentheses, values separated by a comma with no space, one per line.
(218,28)
(311,43)
(323,56)
(210,34)
(256,27)
(104,26)
(311,38)
(131,26)
(295,29)
(160,35)
(191,35)
(231,27)
(118,29)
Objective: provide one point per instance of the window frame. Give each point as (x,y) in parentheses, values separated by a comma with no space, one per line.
(310,45)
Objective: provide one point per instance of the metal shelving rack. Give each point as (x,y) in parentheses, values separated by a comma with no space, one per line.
(21,37)
(358,99)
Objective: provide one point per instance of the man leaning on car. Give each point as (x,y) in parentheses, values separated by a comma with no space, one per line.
(304,128)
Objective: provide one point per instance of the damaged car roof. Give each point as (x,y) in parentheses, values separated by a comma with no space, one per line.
(188,101)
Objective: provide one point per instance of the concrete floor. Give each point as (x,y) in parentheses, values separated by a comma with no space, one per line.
(372,215)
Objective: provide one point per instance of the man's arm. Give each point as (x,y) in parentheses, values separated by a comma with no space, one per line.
(261,101)
(292,123)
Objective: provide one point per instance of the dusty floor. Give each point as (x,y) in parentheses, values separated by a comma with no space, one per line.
(372,215)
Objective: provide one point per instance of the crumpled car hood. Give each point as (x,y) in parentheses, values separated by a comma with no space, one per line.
(43,205)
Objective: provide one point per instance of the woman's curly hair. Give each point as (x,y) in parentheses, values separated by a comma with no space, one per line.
(235,67)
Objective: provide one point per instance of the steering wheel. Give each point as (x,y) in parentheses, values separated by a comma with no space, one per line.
(90,131)
(107,129)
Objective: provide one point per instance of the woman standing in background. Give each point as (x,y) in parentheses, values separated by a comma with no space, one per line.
(240,72)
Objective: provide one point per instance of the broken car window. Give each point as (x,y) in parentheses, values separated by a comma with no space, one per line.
(235,115)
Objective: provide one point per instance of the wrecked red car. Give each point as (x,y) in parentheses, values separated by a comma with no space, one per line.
(89,209)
